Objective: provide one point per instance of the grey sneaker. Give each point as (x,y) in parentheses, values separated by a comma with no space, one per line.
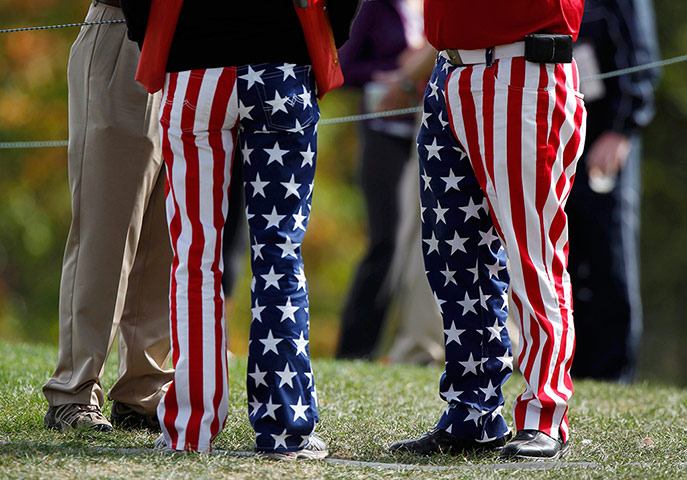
(126,418)
(315,449)
(76,416)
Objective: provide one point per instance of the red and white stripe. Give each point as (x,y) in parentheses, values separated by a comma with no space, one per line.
(523,125)
(198,117)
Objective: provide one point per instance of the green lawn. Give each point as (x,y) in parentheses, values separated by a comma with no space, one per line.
(623,432)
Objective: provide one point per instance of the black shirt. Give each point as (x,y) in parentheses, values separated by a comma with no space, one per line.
(222,33)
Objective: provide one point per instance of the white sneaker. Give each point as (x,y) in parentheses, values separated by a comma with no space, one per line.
(160,445)
(315,449)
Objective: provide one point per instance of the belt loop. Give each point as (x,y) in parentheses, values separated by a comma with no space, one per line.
(489,56)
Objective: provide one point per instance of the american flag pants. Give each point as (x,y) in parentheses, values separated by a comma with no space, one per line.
(498,148)
(269,112)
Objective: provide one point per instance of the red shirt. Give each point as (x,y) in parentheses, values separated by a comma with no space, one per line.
(473,24)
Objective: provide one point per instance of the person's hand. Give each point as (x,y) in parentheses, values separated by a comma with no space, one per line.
(608,154)
(401,93)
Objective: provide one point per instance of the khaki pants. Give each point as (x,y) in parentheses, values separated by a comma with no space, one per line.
(115,274)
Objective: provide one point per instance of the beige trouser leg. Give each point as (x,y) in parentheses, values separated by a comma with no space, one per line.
(420,336)
(114,169)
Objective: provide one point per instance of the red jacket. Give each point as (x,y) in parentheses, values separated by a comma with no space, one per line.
(473,24)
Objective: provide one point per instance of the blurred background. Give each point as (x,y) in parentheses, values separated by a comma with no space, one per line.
(35,202)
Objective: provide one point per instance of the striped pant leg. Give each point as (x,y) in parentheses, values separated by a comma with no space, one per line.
(198,119)
(466,269)
(279,145)
(523,127)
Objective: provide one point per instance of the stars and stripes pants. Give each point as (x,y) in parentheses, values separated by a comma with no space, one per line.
(498,148)
(268,111)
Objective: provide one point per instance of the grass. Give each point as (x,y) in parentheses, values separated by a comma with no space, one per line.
(637,431)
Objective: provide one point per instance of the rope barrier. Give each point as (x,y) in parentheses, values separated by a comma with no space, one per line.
(324,121)
(64,25)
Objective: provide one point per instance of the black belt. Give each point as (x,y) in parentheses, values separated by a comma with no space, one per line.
(112,3)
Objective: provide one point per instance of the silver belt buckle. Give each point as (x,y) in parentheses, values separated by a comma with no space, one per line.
(454,57)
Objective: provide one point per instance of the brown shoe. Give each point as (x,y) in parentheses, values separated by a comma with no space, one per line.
(126,418)
(76,416)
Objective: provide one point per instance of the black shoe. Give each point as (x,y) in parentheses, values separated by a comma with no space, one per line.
(440,441)
(534,445)
(126,418)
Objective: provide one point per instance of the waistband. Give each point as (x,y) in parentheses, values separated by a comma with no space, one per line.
(111,3)
(484,55)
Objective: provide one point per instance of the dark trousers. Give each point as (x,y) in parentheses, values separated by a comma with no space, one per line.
(383,158)
(604,270)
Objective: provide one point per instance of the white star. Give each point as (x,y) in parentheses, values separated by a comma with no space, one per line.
(287,68)
(255,405)
(273,218)
(439,302)
(451,395)
(487,237)
(435,90)
(471,210)
(457,243)
(445,67)
(256,311)
(297,128)
(288,248)
(495,268)
(300,276)
(440,212)
(258,376)
(471,365)
(286,376)
(451,181)
(300,343)
(433,244)
(483,299)
(270,344)
(278,104)
(308,156)
(442,121)
(257,249)
(299,410)
(306,97)
(288,310)
(245,153)
(280,439)
(309,375)
(422,213)
(474,271)
(276,154)
(474,415)
(495,331)
(244,112)
(426,179)
(252,284)
(489,391)
(271,408)
(468,304)
(453,334)
(272,279)
(507,361)
(298,219)
(248,214)
(425,116)
(433,149)
(291,187)
(259,186)
(449,275)
(252,77)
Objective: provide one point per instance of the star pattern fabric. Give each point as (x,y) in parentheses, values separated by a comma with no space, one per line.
(281,136)
(466,269)
(269,112)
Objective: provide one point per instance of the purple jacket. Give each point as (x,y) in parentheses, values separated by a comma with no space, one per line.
(377,39)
